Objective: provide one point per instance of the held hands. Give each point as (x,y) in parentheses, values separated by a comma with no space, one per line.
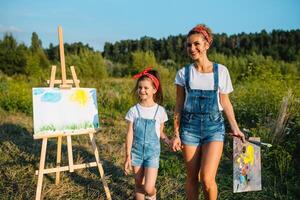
(167,141)
(238,133)
(176,143)
(127,165)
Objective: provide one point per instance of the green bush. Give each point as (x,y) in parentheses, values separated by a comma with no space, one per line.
(257,100)
(15,96)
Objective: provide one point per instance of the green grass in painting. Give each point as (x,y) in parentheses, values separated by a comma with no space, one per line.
(73,127)
(49,127)
(84,125)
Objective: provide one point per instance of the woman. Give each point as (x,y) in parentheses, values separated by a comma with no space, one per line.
(202,90)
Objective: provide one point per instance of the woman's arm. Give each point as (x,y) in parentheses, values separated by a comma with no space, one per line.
(228,109)
(180,97)
(128,145)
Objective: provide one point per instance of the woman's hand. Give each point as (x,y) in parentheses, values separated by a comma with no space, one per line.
(176,143)
(127,165)
(238,133)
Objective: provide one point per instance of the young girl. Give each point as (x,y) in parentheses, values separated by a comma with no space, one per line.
(145,127)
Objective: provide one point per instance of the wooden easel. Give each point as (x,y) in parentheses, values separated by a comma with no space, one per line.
(66,84)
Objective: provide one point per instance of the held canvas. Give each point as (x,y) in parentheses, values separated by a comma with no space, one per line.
(246,165)
(64,110)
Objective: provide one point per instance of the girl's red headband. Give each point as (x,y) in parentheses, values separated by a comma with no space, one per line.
(145,73)
(202,30)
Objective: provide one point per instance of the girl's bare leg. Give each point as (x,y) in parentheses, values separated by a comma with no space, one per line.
(150,180)
(139,182)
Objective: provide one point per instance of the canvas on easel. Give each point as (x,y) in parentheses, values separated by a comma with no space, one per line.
(246,165)
(73,109)
(63,112)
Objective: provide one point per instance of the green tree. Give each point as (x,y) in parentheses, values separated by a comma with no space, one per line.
(87,64)
(141,60)
(37,50)
(36,43)
(12,56)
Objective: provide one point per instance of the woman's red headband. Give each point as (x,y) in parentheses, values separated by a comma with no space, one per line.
(145,73)
(203,31)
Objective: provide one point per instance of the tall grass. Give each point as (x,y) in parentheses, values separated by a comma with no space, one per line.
(256,102)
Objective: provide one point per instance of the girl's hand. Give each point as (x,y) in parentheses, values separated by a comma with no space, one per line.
(127,166)
(167,141)
(176,143)
(238,133)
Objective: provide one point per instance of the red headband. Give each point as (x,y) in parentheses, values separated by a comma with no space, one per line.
(145,73)
(202,30)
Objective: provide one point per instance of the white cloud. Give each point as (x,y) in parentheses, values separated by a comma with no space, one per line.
(11,29)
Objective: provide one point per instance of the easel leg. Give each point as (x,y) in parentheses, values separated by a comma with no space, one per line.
(70,153)
(58,159)
(41,169)
(100,168)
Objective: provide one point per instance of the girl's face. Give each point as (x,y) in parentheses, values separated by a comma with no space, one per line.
(146,90)
(196,46)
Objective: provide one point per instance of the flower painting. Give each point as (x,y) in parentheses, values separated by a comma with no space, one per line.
(246,165)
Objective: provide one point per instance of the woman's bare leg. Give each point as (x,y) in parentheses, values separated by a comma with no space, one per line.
(192,157)
(211,156)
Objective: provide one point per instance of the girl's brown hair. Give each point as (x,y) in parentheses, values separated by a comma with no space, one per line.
(158,96)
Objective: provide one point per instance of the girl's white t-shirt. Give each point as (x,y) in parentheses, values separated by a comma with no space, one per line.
(205,81)
(148,113)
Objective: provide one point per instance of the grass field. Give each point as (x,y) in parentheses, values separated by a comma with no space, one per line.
(20,153)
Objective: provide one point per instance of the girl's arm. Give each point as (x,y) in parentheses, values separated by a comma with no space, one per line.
(180,96)
(163,136)
(228,109)
(128,145)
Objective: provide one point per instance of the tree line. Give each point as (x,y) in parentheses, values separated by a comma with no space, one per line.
(33,61)
(280,50)
(279,44)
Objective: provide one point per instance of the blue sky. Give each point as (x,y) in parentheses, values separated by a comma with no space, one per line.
(98,21)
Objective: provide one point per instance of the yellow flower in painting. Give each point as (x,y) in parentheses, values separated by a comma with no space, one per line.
(249,157)
(80,96)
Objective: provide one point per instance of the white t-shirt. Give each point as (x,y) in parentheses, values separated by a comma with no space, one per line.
(205,81)
(148,113)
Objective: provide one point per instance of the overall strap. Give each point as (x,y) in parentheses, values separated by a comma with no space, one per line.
(156,111)
(187,77)
(138,110)
(216,76)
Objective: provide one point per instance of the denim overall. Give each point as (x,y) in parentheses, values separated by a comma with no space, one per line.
(201,121)
(146,145)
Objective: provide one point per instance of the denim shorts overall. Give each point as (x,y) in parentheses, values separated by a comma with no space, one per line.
(146,145)
(201,121)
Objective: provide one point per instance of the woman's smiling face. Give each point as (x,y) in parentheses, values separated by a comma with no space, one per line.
(196,46)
